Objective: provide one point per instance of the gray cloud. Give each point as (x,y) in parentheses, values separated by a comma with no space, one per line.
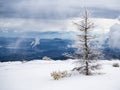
(57,9)
(46,15)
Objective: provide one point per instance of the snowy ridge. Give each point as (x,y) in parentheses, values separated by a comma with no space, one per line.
(35,75)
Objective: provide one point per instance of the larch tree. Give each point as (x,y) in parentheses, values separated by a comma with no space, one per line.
(86,53)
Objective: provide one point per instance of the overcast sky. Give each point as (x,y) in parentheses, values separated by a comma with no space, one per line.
(51,13)
(49,9)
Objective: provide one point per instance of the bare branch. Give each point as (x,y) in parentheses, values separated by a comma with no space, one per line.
(85,26)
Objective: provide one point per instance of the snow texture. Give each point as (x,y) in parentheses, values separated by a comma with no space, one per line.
(35,75)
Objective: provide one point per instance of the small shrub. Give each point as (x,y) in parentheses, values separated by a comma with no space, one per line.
(116,65)
(59,75)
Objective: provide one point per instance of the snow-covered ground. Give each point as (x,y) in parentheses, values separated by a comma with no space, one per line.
(35,75)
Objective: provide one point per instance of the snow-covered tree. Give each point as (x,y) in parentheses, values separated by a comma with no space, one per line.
(86,49)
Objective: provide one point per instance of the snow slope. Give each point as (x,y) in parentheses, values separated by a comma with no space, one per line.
(35,75)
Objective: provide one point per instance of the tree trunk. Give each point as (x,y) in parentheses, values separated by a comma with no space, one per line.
(87,68)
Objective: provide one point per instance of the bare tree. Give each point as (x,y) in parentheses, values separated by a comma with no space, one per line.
(85,51)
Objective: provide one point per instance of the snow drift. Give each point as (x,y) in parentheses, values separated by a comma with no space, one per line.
(35,75)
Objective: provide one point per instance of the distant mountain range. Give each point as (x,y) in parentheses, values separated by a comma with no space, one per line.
(20,46)
(13,49)
(20,49)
